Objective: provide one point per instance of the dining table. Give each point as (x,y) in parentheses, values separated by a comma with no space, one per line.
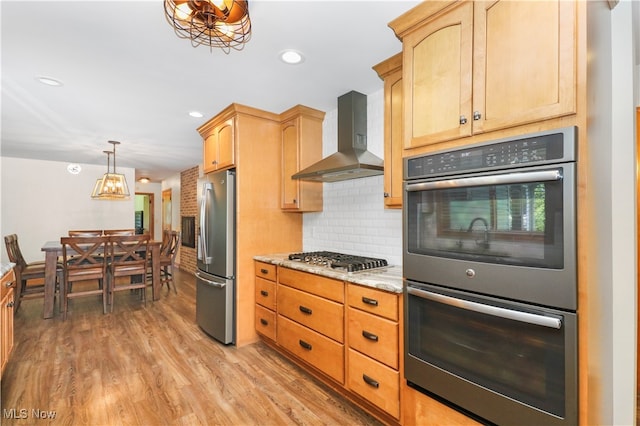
(53,250)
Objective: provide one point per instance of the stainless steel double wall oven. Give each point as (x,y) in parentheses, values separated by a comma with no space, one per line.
(490,278)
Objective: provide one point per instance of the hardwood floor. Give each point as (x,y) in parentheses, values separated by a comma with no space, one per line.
(153,365)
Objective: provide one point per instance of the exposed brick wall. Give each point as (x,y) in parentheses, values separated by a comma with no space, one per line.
(189,207)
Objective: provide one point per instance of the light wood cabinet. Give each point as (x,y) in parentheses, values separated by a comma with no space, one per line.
(373,358)
(390,71)
(7,284)
(266,300)
(219,146)
(301,147)
(252,146)
(481,66)
(347,335)
(310,320)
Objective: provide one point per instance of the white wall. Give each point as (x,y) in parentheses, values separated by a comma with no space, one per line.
(41,201)
(354,219)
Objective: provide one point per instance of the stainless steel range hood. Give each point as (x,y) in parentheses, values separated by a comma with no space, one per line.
(352,159)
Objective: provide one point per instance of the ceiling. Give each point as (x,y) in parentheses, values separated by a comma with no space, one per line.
(127,77)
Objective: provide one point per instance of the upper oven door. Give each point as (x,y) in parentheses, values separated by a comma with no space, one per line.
(507,233)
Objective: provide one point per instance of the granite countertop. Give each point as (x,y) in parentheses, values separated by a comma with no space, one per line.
(5,268)
(388,278)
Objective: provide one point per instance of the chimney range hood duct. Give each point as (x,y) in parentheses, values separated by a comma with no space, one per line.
(352,159)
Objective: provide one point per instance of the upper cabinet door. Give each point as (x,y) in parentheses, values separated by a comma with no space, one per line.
(437,59)
(524,62)
(290,165)
(219,147)
(301,130)
(226,157)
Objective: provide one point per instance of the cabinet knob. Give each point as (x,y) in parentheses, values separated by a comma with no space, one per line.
(10,304)
(463,119)
(386,195)
(264,321)
(214,162)
(476,115)
(264,293)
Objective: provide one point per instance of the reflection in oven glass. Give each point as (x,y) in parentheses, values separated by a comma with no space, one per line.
(519,224)
(519,360)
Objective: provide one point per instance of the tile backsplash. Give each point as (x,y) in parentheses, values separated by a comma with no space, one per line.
(354,220)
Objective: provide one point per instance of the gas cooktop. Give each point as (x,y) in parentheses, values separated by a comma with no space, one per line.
(340,261)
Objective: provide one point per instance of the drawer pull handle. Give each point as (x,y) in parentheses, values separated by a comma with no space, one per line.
(305,345)
(264,271)
(305,310)
(369,336)
(265,293)
(372,302)
(264,321)
(368,380)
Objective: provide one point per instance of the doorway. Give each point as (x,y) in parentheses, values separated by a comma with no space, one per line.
(166,210)
(144,217)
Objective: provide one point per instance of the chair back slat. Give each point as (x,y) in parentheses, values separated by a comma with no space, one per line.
(119,231)
(85,233)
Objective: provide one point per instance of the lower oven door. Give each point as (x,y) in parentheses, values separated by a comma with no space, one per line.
(506,362)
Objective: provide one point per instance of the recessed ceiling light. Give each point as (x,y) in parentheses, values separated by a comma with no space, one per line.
(195,114)
(291,57)
(49,81)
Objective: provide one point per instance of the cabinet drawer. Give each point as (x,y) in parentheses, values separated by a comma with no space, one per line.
(321,315)
(374,381)
(319,351)
(375,301)
(266,322)
(265,270)
(374,336)
(7,282)
(266,293)
(311,283)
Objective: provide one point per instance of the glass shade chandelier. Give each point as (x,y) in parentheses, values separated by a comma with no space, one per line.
(214,23)
(111,186)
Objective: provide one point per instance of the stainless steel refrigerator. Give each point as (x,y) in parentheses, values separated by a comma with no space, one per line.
(215,275)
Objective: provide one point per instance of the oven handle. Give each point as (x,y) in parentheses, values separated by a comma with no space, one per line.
(487,309)
(503,179)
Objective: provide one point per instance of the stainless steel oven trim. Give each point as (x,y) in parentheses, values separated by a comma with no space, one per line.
(495,311)
(501,179)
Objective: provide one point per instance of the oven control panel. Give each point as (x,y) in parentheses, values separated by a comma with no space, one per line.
(533,149)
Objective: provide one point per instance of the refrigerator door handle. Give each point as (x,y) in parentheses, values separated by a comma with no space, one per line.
(202,254)
(213,283)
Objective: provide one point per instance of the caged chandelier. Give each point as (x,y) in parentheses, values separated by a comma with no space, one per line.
(214,23)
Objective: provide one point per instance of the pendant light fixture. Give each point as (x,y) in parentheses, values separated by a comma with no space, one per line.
(214,23)
(112,186)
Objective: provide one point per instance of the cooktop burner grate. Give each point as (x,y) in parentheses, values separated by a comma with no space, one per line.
(330,259)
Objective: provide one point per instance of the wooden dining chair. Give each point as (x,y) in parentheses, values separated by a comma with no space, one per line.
(168,253)
(84,260)
(85,233)
(27,271)
(127,258)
